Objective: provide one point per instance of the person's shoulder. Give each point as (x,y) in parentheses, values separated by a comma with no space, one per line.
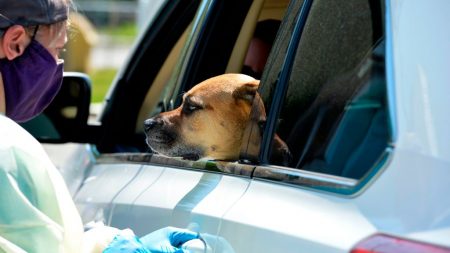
(10,131)
(13,135)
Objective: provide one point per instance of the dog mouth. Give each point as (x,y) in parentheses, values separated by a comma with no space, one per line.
(168,145)
(160,139)
(166,142)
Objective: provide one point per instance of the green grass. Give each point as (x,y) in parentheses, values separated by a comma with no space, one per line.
(101,80)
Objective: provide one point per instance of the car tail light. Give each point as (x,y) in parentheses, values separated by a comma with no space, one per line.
(381,243)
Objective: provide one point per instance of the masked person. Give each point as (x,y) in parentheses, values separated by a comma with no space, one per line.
(37,213)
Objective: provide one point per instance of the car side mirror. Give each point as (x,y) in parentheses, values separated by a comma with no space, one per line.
(65,119)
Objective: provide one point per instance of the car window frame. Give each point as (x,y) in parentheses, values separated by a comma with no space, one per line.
(263,170)
(283,83)
(314,180)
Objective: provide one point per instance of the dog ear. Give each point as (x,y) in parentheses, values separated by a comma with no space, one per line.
(247,91)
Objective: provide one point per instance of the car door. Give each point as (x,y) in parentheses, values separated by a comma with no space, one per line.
(324,89)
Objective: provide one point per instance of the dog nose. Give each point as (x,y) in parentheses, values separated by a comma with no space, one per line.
(149,124)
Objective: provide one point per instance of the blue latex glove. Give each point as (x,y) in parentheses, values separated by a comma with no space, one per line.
(167,240)
(126,242)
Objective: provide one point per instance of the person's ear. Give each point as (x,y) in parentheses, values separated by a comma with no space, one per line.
(14,42)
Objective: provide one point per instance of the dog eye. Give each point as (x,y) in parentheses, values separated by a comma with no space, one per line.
(190,108)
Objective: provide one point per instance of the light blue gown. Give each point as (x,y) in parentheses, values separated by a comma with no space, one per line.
(37,213)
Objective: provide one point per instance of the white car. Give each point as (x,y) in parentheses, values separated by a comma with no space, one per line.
(358,89)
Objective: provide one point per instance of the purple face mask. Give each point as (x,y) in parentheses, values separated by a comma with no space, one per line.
(31,81)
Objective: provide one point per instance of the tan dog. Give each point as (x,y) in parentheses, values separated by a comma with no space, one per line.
(210,122)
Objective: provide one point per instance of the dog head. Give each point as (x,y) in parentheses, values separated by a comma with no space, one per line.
(210,121)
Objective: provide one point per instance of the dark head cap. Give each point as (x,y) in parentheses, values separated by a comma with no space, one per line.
(32,12)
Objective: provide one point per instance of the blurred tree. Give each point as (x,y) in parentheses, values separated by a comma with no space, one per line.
(82,37)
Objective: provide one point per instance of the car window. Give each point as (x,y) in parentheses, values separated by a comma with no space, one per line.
(333,116)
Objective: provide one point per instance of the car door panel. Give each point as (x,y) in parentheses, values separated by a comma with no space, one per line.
(72,160)
(148,197)
(281,224)
(100,188)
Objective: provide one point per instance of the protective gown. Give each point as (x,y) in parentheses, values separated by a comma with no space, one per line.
(37,213)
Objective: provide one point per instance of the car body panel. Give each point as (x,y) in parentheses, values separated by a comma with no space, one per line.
(400,202)
(291,218)
(73,160)
(91,201)
(421,56)
(156,196)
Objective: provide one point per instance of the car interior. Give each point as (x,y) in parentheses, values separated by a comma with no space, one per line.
(336,90)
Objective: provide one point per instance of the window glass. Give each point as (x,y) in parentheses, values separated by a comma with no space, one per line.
(333,118)
(261,104)
(277,55)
